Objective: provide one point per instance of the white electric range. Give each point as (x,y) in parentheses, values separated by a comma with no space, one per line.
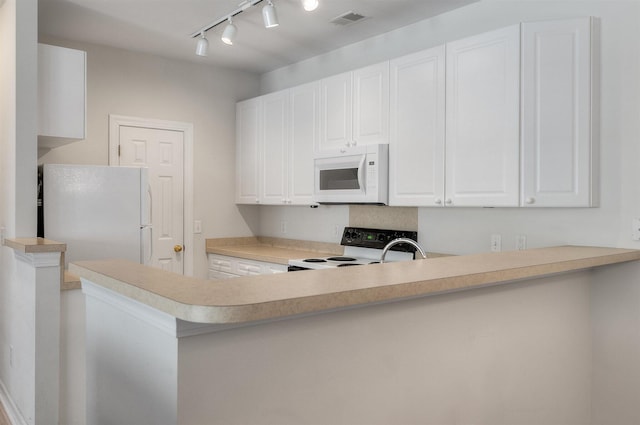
(362,246)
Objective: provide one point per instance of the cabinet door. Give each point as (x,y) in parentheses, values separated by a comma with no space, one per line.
(371,105)
(336,114)
(248,268)
(304,107)
(216,275)
(275,142)
(272,268)
(482,123)
(247,153)
(556,114)
(61,92)
(416,145)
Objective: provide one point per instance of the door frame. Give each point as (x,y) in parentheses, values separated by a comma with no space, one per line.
(117,121)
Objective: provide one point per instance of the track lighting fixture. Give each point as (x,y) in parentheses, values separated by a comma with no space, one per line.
(269,15)
(202,46)
(229,33)
(310,5)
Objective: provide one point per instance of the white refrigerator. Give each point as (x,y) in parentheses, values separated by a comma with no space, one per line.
(100,212)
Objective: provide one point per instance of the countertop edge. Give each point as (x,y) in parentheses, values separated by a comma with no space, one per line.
(35,245)
(440,277)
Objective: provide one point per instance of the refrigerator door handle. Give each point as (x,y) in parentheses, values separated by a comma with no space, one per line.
(149,207)
(146,245)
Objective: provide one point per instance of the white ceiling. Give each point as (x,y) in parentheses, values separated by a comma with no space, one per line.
(163,27)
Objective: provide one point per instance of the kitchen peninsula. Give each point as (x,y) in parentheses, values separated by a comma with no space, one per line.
(506,333)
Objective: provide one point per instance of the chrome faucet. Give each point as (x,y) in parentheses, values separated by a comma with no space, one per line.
(402,240)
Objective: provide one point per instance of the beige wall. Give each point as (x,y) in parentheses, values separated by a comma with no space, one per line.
(140,85)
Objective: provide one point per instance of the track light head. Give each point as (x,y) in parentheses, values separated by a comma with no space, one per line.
(229,33)
(269,15)
(310,5)
(202,46)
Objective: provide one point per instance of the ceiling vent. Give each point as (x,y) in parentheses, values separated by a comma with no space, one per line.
(347,18)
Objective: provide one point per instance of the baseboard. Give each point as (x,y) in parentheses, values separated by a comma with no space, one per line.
(15,417)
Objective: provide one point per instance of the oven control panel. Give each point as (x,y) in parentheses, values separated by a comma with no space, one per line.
(377,238)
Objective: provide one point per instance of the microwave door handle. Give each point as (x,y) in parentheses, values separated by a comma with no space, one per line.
(361,181)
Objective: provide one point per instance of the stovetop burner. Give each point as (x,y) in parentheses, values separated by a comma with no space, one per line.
(362,246)
(341,259)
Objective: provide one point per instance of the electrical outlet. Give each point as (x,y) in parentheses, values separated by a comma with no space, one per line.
(521,242)
(283,227)
(496,243)
(635,229)
(336,230)
(197,226)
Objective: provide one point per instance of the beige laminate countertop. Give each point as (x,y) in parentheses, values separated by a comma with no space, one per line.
(246,299)
(35,245)
(271,250)
(277,250)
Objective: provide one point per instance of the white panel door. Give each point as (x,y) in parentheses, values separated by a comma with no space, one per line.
(247,151)
(162,152)
(304,124)
(274,145)
(336,114)
(416,145)
(556,113)
(371,104)
(482,119)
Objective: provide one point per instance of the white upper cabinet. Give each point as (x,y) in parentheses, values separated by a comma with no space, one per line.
(354,108)
(248,120)
(559,114)
(304,125)
(482,119)
(417,129)
(61,95)
(336,114)
(274,146)
(371,105)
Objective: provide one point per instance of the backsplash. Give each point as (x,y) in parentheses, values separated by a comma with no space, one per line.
(377,217)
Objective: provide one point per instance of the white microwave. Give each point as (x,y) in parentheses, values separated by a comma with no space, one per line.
(352,175)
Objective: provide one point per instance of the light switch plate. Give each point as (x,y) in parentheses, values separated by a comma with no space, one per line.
(635,229)
(496,243)
(197,226)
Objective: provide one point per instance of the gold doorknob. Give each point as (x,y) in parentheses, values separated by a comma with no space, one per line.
(177,248)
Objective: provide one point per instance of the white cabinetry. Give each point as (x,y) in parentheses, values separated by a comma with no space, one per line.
(417,123)
(304,126)
(559,114)
(225,267)
(275,135)
(274,144)
(247,150)
(354,108)
(61,95)
(482,119)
